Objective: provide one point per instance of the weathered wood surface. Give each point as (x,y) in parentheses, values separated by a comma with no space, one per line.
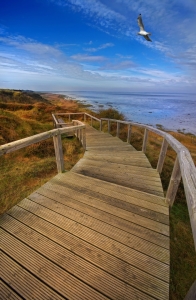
(82,237)
(22,143)
(116,164)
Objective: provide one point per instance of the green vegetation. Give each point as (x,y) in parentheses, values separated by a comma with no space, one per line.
(25,113)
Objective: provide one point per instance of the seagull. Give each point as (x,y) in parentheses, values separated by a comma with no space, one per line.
(142,30)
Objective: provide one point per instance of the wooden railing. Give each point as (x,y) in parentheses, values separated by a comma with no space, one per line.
(183,167)
(77,127)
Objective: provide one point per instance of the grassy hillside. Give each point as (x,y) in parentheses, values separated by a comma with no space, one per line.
(22,114)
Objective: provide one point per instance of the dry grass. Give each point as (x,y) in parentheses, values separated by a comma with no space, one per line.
(25,170)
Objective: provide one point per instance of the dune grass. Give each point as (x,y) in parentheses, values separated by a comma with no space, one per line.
(25,170)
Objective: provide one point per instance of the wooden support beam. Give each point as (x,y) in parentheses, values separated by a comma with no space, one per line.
(84,138)
(118,129)
(145,140)
(101,124)
(58,153)
(80,135)
(108,125)
(191,295)
(174,183)
(129,133)
(162,156)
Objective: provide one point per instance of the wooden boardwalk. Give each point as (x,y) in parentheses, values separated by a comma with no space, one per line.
(100,231)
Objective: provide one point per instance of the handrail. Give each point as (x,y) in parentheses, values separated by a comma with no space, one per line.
(183,168)
(55,133)
(85,115)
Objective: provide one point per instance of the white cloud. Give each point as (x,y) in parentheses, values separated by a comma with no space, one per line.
(104,46)
(86,58)
(92,8)
(30,45)
(123,65)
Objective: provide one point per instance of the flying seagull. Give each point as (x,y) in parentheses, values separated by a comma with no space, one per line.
(142,30)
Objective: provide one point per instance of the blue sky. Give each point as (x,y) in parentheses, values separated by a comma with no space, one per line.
(61,45)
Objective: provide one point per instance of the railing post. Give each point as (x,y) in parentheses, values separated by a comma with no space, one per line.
(58,152)
(162,156)
(174,183)
(145,140)
(129,134)
(100,124)
(191,295)
(69,118)
(108,125)
(84,117)
(84,138)
(118,129)
(80,135)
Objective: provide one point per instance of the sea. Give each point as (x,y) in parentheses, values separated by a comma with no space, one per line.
(173,111)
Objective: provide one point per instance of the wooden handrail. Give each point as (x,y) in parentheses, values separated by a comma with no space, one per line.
(55,134)
(183,168)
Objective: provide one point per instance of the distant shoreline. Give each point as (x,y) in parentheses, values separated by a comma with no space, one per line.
(178,123)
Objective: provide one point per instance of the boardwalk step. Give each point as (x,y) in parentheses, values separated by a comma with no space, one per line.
(100,231)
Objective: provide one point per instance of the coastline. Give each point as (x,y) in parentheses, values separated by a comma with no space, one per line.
(153,115)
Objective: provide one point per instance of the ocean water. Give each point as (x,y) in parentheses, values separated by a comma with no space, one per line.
(174,111)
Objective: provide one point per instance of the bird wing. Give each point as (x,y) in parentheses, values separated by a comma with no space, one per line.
(147,38)
(140,23)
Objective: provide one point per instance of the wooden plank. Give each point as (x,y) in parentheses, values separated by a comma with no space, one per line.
(131,256)
(48,272)
(162,156)
(124,147)
(127,226)
(191,295)
(124,150)
(118,129)
(6,292)
(22,143)
(75,265)
(121,167)
(114,266)
(108,207)
(20,280)
(129,131)
(102,193)
(112,186)
(174,183)
(74,209)
(77,193)
(123,159)
(105,174)
(58,153)
(145,140)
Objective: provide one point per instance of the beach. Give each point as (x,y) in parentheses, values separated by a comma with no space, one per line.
(173,111)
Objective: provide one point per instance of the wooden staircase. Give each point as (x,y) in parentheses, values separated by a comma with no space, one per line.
(100,231)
